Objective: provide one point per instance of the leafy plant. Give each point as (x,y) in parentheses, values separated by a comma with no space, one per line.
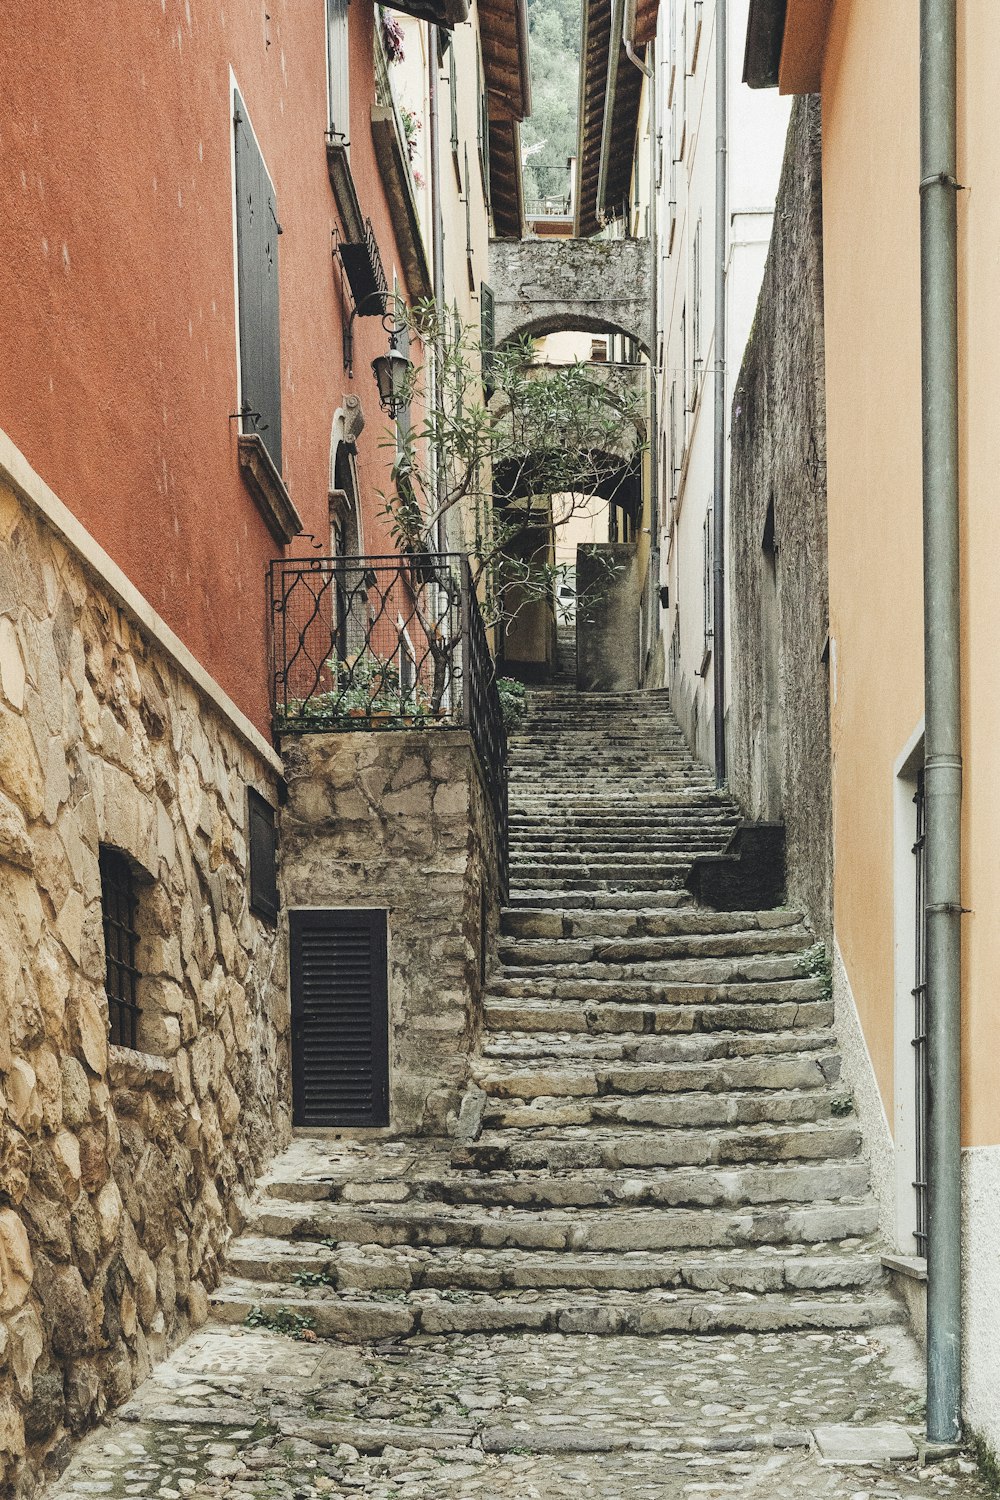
(513,701)
(509,463)
(284,1320)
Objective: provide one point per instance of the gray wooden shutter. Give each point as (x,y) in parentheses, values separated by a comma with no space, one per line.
(340,1018)
(487,337)
(257,230)
(339,74)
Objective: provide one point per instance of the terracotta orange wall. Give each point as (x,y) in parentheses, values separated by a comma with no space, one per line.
(872,289)
(871,243)
(979,376)
(117,310)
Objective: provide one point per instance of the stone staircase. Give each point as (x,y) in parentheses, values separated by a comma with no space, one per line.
(655,1139)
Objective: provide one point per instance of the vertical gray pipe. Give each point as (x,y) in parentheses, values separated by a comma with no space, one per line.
(437,255)
(719,480)
(942,694)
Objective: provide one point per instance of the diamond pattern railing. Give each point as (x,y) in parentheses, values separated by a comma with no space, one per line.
(384,643)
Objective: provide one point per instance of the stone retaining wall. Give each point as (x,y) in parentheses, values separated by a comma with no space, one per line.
(779,719)
(121,1173)
(400,820)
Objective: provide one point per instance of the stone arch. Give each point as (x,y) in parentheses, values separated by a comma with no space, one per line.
(585,285)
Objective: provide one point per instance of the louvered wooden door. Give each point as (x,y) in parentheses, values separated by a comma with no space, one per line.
(340,1018)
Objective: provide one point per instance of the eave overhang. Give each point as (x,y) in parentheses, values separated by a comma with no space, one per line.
(610,96)
(445,13)
(786,42)
(506,184)
(503,26)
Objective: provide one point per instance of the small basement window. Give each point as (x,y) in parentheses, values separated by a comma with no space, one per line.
(263,857)
(121,939)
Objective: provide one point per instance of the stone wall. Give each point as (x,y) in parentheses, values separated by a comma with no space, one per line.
(607,617)
(121,1172)
(542,286)
(400,819)
(779,727)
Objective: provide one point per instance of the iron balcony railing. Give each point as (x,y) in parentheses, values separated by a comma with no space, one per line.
(383,643)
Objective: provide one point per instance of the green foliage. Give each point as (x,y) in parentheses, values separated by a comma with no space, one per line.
(554,31)
(314,1278)
(513,701)
(283,1320)
(989,1464)
(570,431)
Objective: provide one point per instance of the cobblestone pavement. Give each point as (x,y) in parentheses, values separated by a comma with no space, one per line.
(249,1414)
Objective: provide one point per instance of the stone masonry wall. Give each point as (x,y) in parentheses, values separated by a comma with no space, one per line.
(400,819)
(121,1173)
(780,609)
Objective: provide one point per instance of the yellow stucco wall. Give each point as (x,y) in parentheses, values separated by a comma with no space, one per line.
(872,288)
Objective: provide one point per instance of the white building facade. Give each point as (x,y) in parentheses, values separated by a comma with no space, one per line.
(688,164)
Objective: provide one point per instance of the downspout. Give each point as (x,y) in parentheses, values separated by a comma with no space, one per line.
(649,72)
(437,255)
(942,697)
(719,461)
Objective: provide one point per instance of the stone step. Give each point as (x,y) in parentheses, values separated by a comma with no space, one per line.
(594,1229)
(358,1318)
(709,969)
(570,1149)
(595,1188)
(577,900)
(779,1071)
(539,922)
(414,1268)
(674,1111)
(648,948)
(548,1048)
(610,1019)
(517,985)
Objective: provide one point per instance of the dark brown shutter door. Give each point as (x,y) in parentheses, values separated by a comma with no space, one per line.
(340,1018)
(257,231)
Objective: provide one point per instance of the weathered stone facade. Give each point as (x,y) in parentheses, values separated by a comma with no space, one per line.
(600,286)
(607,618)
(779,740)
(121,1172)
(401,820)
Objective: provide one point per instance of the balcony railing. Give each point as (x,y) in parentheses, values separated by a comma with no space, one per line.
(381,643)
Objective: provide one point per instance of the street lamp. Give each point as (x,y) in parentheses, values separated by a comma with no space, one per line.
(392,372)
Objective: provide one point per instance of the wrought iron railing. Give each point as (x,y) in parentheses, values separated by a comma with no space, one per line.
(385,643)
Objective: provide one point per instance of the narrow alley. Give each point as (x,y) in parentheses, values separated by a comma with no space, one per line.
(647,1263)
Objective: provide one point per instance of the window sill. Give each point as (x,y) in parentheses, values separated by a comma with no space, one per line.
(128,1068)
(267,487)
(338,166)
(397,179)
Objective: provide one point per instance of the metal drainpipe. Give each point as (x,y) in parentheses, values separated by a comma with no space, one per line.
(719,464)
(942,696)
(437,252)
(649,72)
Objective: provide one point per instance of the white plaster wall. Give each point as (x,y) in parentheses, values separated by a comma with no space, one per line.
(758,125)
(981,1291)
(859,1076)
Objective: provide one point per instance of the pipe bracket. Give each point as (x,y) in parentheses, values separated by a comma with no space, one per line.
(942,179)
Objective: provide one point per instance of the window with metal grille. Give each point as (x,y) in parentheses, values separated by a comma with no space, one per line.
(263,857)
(257,230)
(921,1087)
(121,941)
